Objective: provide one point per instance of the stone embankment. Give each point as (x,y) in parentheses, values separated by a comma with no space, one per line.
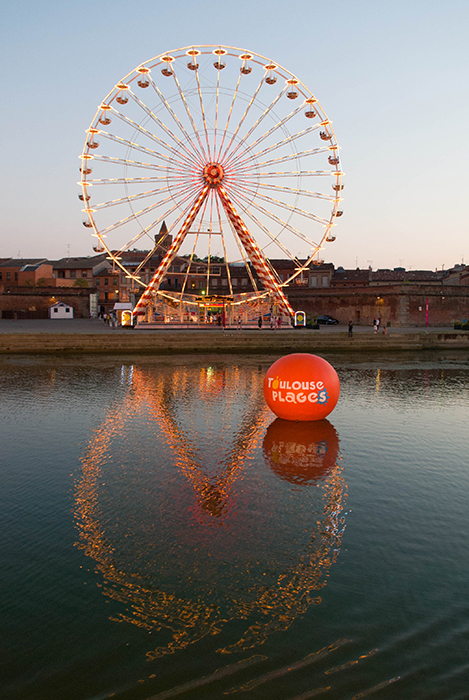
(229,341)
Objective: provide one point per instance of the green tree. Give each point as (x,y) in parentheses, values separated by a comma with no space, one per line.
(80,282)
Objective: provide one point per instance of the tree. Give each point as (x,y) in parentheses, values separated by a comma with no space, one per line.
(80,282)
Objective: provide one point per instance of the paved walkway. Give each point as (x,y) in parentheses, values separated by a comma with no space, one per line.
(84,325)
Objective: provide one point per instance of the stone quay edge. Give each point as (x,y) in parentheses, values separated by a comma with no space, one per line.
(170,342)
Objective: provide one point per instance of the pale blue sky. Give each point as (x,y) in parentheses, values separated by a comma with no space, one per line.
(391,75)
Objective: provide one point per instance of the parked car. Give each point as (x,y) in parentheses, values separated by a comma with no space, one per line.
(326,320)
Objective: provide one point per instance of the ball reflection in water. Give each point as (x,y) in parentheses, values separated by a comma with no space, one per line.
(303,452)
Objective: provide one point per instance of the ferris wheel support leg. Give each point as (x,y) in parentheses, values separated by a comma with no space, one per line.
(254,253)
(157,278)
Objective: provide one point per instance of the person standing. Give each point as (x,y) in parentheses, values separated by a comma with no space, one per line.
(350,329)
(259,321)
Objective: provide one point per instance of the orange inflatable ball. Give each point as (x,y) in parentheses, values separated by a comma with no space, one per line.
(301,387)
(301,453)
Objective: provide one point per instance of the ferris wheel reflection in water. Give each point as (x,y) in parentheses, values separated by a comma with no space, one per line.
(198,510)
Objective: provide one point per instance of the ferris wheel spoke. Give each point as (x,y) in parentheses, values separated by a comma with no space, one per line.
(253,250)
(285,142)
(282,205)
(203,113)
(187,160)
(127,161)
(291,190)
(130,198)
(258,121)
(275,128)
(172,251)
(283,224)
(191,152)
(230,112)
(144,149)
(183,187)
(135,239)
(127,180)
(292,156)
(274,239)
(223,242)
(209,255)
(147,230)
(157,221)
(134,216)
(217,97)
(245,260)
(189,114)
(241,121)
(290,173)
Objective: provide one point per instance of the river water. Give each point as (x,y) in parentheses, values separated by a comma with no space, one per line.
(162,535)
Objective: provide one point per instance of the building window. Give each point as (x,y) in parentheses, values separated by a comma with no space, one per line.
(224,282)
(72,274)
(114,281)
(16,277)
(214,283)
(325,281)
(84,273)
(61,274)
(244,282)
(234,282)
(1,275)
(8,276)
(106,281)
(67,310)
(106,296)
(98,282)
(56,311)
(313,281)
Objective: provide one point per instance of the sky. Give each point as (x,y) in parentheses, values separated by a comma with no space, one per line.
(390,74)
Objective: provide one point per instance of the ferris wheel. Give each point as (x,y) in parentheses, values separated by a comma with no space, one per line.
(219,157)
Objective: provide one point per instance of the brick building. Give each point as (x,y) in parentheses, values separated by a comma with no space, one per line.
(69,272)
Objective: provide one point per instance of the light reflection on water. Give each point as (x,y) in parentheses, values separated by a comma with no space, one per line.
(212,552)
(195,539)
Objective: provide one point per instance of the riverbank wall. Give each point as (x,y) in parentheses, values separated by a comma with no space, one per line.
(224,342)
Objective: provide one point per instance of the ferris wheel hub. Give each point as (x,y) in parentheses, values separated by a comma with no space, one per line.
(213,174)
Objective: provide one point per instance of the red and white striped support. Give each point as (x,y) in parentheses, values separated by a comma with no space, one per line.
(155,282)
(254,252)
